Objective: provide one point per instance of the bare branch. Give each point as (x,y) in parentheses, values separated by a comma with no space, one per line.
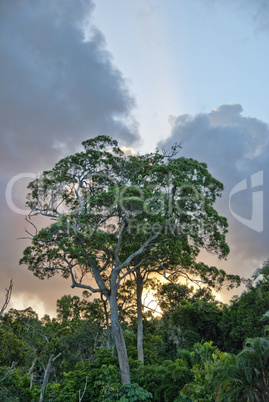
(56,357)
(10,371)
(149,308)
(28,220)
(7,297)
(46,376)
(46,338)
(80,397)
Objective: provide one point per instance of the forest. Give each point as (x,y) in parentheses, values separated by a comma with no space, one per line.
(118,227)
(199,349)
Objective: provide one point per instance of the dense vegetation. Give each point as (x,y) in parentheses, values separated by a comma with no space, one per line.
(115,219)
(115,223)
(197,350)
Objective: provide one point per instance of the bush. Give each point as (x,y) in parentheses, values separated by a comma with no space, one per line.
(125,393)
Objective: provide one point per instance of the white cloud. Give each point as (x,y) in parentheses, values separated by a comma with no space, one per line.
(128,151)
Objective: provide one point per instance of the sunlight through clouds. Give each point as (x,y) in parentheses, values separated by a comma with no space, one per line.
(23,301)
(143,72)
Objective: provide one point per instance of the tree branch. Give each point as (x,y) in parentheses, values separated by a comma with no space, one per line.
(10,371)
(75,284)
(136,253)
(7,297)
(116,251)
(130,271)
(80,397)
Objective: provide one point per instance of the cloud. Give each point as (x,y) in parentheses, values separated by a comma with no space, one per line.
(255,12)
(55,86)
(235,148)
(58,87)
(260,14)
(128,151)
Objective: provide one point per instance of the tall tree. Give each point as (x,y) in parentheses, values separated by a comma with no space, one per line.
(114,214)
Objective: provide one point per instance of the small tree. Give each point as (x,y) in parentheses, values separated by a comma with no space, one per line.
(115,214)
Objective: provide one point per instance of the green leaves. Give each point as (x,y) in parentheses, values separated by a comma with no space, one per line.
(12,349)
(125,393)
(96,190)
(112,214)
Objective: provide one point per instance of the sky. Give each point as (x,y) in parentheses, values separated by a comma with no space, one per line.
(148,73)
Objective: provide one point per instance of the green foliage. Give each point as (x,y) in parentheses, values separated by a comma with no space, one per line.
(85,322)
(189,317)
(243,319)
(14,388)
(250,376)
(203,317)
(126,393)
(225,377)
(165,380)
(204,386)
(118,220)
(97,374)
(202,373)
(12,349)
(106,196)
(112,390)
(116,216)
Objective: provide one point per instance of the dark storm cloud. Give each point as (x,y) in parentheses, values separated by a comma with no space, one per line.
(236,150)
(58,87)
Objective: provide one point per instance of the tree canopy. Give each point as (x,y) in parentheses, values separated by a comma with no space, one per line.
(114,215)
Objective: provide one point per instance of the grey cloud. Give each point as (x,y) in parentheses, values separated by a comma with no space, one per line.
(55,86)
(261,15)
(57,89)
(226,114)
(234,147)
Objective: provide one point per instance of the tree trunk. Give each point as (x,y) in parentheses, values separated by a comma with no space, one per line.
(119,339)
(31,372)
(46,379)
(108,345)
(46,376)
(139,290)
